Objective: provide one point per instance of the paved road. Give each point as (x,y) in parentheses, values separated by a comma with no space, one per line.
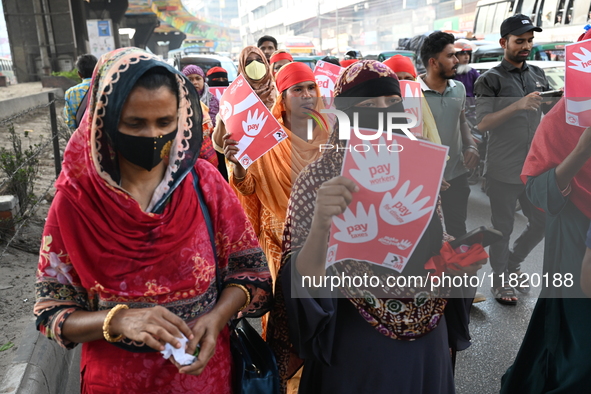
(497,330)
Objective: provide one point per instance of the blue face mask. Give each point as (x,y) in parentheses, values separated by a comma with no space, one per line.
(146,152)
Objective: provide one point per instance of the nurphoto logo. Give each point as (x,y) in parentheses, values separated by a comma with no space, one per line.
(345,129)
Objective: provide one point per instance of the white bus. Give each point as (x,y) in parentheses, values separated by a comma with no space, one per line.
(561,20)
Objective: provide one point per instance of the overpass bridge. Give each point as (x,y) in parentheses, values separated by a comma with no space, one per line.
(48,35)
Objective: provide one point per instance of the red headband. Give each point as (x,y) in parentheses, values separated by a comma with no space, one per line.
(280,56)
(216,70)
(291,74)
(400,63)
(348,62)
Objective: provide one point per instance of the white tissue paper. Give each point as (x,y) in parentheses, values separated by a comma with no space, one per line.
(179,354)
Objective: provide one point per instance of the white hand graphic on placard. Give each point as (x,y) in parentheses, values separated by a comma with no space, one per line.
(584,62)
(404,244)
(377,171)
(357,228)
(253,124)
(403,208)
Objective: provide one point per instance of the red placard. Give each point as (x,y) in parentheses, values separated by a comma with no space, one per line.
(413,103)
(577,81)
(250,122)
(395,202)
(326,75)
(218,91)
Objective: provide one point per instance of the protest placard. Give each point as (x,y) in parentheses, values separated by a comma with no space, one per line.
(413,103)
(251,123)
(577,81)
(218,91)
(395,202)
(326,75)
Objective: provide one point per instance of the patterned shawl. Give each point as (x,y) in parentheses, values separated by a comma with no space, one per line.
(398,313)
(99,247)
(265,87)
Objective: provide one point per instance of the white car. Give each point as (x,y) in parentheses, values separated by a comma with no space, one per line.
(554,70)
(206,61)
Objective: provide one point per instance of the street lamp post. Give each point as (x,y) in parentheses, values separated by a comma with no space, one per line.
(319,17)
(337,32)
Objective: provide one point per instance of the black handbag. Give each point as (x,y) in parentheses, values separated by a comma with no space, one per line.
(255,368)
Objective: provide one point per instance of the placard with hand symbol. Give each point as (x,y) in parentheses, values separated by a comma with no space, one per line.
(577,81)
(249,121)
(402,185)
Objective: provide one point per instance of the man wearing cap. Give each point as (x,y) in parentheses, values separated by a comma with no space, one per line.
(508,106)
(466,74)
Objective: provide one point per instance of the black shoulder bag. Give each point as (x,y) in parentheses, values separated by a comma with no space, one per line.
(255,368)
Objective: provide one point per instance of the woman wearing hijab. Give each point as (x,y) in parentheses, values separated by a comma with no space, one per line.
(207,151)
(252,63)
(217,76)
(554,354)
(126,263)
(196,75)
(387,341)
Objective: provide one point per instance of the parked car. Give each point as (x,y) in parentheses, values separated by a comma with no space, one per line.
(554,70)
(206,62)
(385,55)
(540,51)
(310,61)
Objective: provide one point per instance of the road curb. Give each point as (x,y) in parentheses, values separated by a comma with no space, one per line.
(40,366)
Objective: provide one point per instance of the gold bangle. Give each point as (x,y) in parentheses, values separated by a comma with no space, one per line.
(245,290)
(107,321)
(238,179)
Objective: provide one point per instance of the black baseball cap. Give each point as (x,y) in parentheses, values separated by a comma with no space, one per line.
(517,25)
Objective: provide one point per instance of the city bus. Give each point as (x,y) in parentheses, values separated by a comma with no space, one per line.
(561,20)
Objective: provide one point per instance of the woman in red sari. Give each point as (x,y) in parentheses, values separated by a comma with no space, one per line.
(126,264)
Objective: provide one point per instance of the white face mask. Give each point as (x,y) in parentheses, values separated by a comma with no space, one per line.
(255,70)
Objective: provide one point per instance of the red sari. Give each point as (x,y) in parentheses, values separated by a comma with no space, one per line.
(101,249)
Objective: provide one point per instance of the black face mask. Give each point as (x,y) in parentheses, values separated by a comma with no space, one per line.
(146,152)
(369,117)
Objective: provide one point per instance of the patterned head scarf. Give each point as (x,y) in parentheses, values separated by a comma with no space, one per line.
(264,88)
(114,77)
(391,311)
(204,94)
(192,69)
(367,78)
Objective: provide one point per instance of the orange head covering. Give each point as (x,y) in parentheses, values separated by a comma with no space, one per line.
(400,63)
(264,87)
(277,56)
(291,74)
(348,62)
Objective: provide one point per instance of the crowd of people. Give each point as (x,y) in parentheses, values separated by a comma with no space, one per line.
(159,236)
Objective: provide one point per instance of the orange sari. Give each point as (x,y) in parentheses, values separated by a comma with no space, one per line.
(264,192)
